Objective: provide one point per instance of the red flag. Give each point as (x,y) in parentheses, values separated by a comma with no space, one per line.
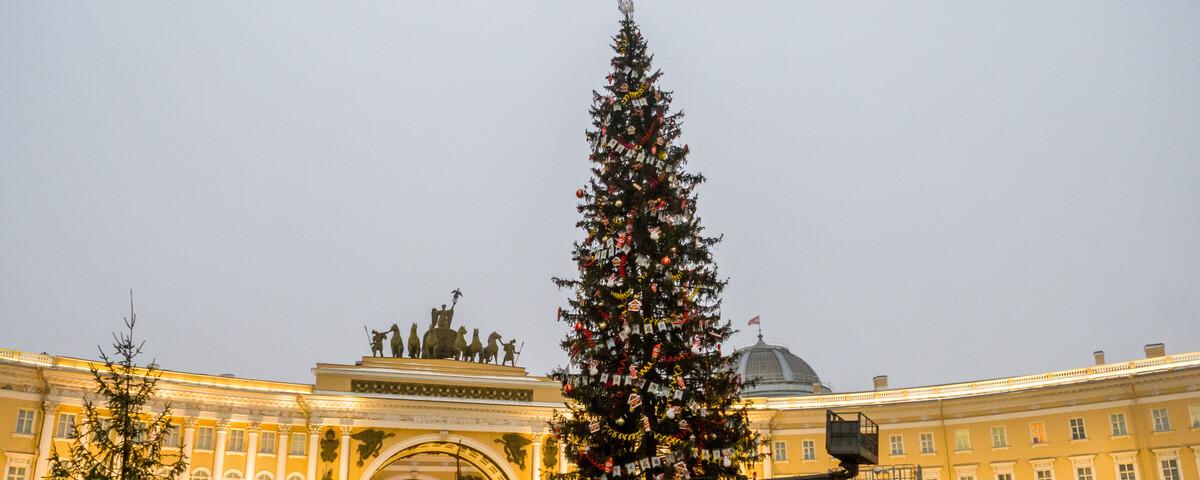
(754,321)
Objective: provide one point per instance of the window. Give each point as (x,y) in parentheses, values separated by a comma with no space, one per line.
(1162,421)
(204,438)
(266,443)
(25,421)
(964,473)
(139,434)
(1170,468)
(780,451)
(236,475)
(66,426)
(171,436)
(926,442)
(1004,476)
(1083,472)
(897,443)
(1043,473)
(1037,432)
(999,438)
(1118,424)
(1125,471)
(296,445)
(237,443)
(263,476)
(1077,431)
(295,476)
(200,473)
(1194,413)
(962,440)
(17,472)
(809,449)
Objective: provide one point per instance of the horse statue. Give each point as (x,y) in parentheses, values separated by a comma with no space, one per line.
(475,348)
(492,349)
(460,344)
(414,343)
(397,342)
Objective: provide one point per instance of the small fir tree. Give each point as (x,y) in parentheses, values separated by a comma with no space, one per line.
(649,393)
(128,445)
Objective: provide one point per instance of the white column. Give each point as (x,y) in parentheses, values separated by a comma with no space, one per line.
(45,439)
(769,459)
(344,458)
(219,450)
(252,449)
(314,440)
(189,441)
(281,454)
(537,456)
(562,457)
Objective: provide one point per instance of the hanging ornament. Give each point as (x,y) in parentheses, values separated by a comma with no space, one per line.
(635,305)
(619,421)
(725,461)
(655,233)
(635,401)
(594,425)
(630,130)
(619,203)
(580,193)
(645,424)
(567,388)
(666,261)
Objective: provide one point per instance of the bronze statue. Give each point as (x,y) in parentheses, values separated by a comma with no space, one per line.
(514,448)
(329,446)
(460,344)
(377,343)
(509,349)
(372,441)
(397,342)
(414,342)
(491,350)
(475,348)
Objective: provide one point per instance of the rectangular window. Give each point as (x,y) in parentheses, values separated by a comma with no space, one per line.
(809,449)
(966,476)
(1162,421)
(1004,476)
(1037,432)
(139,429)
(1083,473)
(171,436)
(25,421)
(204,438)
(1194,413)
(16,472)
(266,443)
(926,442)
(237,441)
(1043,474)
(1125,471)
(962,440)
(1118,424)
(1170,469)
(780,451)
(999,437)
(1077,431)
(897,443)
(296,445)
(66,426)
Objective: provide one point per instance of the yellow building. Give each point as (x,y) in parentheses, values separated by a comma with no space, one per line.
(400,419)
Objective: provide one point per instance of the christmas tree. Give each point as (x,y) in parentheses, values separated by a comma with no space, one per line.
(128,445)
(649,393)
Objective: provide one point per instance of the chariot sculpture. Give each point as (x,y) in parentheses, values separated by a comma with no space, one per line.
(442,341)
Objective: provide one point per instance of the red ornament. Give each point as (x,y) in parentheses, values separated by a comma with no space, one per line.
(567,388)
(666,261)
(579,193)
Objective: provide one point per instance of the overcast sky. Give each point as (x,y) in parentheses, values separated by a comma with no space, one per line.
(937,191)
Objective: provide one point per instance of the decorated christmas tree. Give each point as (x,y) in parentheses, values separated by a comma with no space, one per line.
(649,392)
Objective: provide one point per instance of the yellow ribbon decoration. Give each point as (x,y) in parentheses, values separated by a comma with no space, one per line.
(622,295)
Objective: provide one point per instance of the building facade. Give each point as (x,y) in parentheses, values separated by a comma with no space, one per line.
(402,419)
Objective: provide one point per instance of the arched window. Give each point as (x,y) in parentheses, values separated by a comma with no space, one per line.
(201,474)
(264,475)
(233,475)
(295,476)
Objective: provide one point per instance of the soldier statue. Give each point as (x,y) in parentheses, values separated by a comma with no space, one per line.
(377,338)
(510,349)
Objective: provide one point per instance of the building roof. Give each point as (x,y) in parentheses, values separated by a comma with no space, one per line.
(776,372)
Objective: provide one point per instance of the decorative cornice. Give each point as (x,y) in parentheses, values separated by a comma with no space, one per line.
(473,392)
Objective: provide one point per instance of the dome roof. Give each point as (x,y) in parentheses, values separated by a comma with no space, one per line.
(778,372)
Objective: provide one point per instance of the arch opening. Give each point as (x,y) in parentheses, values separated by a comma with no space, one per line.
(438,460)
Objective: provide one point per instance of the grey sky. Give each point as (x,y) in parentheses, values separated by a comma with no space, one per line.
(938,191)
